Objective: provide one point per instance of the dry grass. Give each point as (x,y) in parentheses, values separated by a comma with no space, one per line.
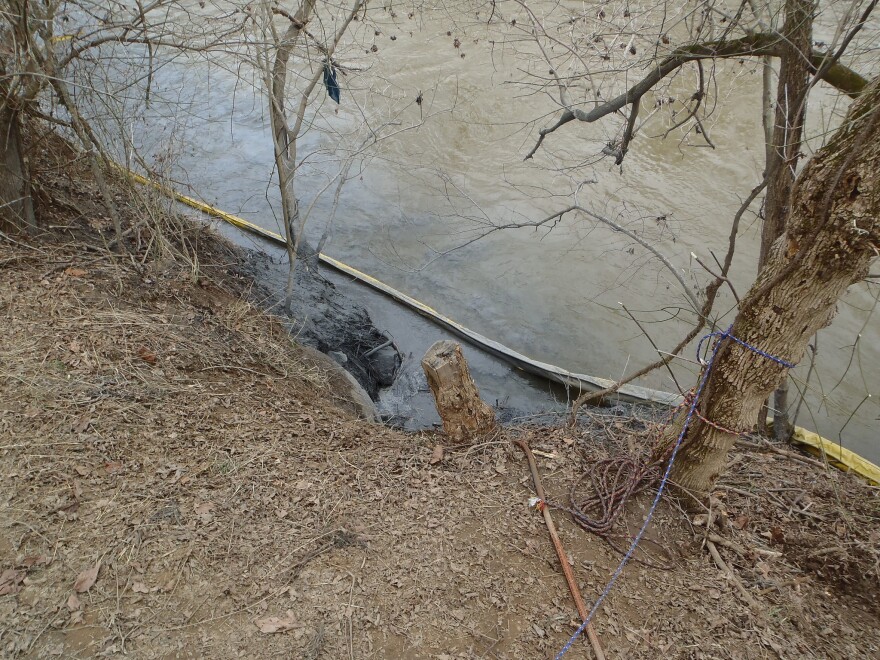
(158,427)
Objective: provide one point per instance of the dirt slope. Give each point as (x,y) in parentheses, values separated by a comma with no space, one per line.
(178,480)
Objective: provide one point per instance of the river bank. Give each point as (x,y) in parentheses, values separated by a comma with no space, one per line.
(179,479)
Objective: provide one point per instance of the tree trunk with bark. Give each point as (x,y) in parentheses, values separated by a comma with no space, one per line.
(784,150)
(465,415)
(284,138)
(832,234)
(16,205)
(285,135)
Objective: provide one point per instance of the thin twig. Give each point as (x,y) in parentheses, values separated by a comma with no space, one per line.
(656,348)
(731,575)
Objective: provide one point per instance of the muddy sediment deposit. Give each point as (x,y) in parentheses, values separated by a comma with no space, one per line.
(327,320)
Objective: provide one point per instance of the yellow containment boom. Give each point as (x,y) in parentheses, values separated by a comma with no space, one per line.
(840,457)
(837,455)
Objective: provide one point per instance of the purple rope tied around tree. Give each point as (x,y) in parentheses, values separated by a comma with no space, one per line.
(721,336)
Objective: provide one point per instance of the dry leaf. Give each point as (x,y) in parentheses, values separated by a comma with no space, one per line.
(10,581)
(73,603)
(204,507)
(75,272)
(71,508)
(437,456)
(99,223)
(140,588)
(86,579)
(147,355)
(276,624)
(35,560)
(776,536)
(82,424)
(113,467)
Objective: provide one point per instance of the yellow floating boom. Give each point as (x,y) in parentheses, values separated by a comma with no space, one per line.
(838,456)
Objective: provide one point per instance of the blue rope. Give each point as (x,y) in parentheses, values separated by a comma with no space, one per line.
(726,333)
(687,421)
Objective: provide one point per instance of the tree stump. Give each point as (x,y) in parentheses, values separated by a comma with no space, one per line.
(463,412)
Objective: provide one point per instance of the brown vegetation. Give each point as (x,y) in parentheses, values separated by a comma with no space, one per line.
(178,480)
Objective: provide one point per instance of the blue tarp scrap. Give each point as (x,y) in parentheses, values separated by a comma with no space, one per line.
(330,81)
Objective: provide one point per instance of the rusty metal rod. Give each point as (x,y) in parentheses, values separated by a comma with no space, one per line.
(560,552)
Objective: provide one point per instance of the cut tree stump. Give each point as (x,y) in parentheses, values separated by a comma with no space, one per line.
(463,412)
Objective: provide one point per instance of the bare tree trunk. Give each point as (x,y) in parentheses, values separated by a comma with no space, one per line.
(16,205)
(285,136)
(831,237)
(284,139)
(783,152)
(767,116)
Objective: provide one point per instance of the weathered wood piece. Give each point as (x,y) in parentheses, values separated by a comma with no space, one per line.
(463,412)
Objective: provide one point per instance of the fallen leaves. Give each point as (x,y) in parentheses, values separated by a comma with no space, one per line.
(740,522)
(276,624)
(140,588)
(147,355)
(113,467)
(36,560)
(82,423)
(86,579)
(10,581)
(74,606)
(777,537)
(204,511)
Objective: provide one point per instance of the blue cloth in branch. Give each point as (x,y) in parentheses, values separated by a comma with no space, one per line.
(330,81)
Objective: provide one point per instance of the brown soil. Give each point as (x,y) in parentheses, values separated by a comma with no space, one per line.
(177,480)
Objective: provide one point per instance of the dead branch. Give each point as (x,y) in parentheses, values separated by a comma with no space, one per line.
(756,45)
(654,344)
(711,293)
(730,575)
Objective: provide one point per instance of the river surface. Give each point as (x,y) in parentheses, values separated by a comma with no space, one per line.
(421,206)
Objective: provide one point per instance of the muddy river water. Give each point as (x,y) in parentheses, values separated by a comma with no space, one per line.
(419,206)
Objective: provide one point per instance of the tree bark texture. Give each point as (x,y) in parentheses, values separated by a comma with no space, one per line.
(463,412)
(791,107)
(784,150)
(832,235)
(16,205)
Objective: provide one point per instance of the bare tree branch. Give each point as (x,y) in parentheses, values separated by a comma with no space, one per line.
(756,45)
(702,319)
